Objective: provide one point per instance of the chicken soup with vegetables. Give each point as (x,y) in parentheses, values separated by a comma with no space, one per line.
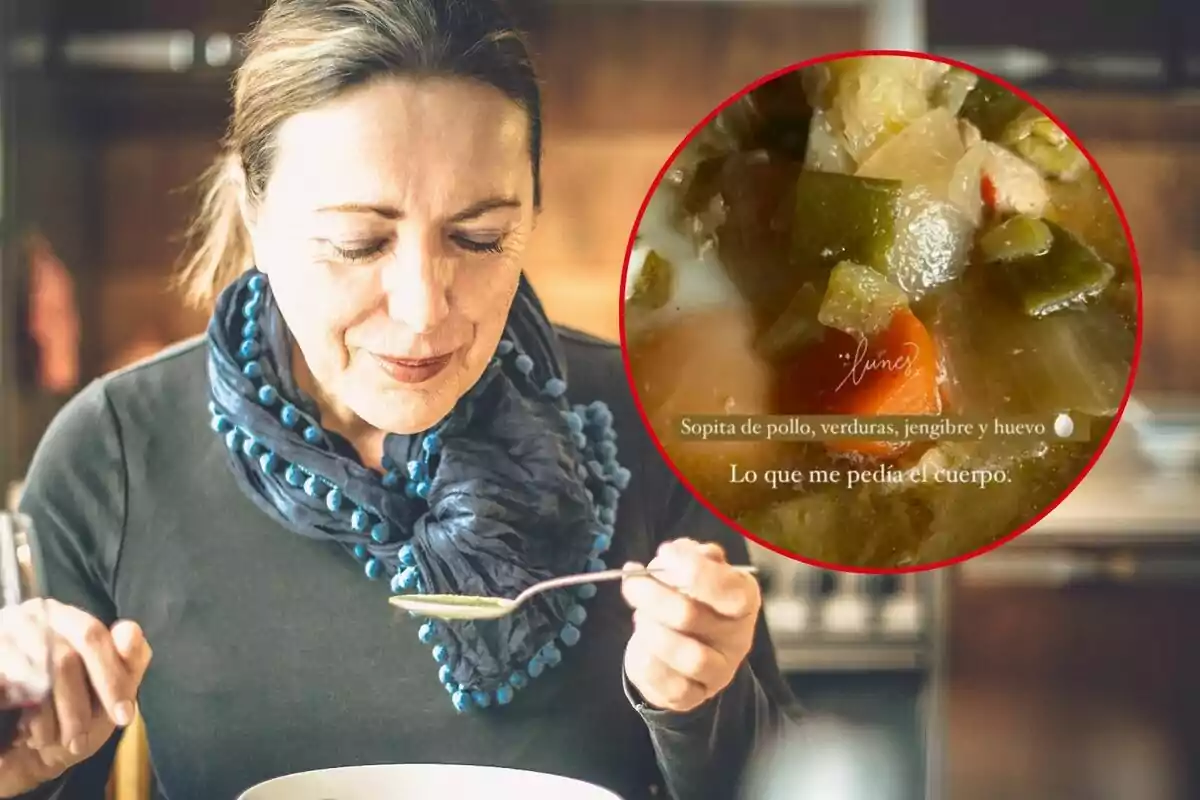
(882,236)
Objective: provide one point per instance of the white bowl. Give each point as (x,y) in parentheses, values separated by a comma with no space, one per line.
(424,782)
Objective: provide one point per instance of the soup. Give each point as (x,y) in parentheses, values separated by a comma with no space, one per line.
(881,236)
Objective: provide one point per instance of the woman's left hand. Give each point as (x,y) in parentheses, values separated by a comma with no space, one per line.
(693,624)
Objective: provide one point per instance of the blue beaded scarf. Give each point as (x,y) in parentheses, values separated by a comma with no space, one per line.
(514,486)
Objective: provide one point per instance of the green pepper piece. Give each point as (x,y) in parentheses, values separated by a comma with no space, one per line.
(1069,273)
(1037,139)
(859,300)
(990,108)
(844,218)
(1017,237)
(654,283)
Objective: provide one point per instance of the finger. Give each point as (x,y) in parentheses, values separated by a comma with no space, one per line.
(693,659)
(111,680)
(730,593)
(709,550)
(72,698)
(133,648)
(55,756)
(42,725)
(671,608)
(659,685)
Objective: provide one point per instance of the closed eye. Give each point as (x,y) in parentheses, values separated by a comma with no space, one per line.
(479,243)
(360,251)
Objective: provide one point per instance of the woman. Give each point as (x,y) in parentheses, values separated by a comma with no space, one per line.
(380,405)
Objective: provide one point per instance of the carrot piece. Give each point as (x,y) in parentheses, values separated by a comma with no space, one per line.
(892,373)
(898,370)
(898,375)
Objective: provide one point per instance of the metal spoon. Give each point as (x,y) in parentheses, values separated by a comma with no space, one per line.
(466,607)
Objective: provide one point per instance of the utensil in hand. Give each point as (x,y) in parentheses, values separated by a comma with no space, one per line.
(467,607)
(25,669)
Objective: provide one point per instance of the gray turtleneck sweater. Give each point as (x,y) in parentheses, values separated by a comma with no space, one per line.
(273,654)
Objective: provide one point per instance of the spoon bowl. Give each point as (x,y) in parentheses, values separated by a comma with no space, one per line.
(454,606)
(467,607)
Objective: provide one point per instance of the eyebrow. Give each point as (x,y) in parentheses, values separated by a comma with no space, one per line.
(391,212)
(388,212)
(484,206)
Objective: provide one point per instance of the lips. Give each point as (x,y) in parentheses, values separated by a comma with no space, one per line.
(412,370)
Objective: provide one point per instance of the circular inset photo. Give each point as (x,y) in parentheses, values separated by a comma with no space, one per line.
(882,311)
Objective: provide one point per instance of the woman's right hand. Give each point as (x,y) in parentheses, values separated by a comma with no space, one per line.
(96,675)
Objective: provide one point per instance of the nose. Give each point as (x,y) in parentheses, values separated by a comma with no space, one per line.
(417,285)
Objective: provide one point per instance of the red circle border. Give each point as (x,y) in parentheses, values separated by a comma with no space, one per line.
(1138,333)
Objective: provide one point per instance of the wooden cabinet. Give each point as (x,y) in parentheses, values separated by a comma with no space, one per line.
(624,83)
(1065,693)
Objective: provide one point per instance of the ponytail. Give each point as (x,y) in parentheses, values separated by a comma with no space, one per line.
(219,243)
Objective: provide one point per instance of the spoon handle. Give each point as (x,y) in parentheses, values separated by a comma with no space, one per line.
(605,575)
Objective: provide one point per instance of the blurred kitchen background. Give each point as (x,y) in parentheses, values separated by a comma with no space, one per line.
(1062,667)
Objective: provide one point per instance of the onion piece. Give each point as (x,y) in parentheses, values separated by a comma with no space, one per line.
(826,148)
(951,91)
(932,244)
(969,133)
(1020,188)
(876,97)
(925,153)
(996,360)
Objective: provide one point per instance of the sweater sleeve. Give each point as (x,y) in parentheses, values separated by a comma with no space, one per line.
(75,497)
(704,753)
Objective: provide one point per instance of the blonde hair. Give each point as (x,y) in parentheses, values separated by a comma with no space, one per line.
(303,53)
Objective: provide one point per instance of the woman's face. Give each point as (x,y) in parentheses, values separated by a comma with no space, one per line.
(391,231)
